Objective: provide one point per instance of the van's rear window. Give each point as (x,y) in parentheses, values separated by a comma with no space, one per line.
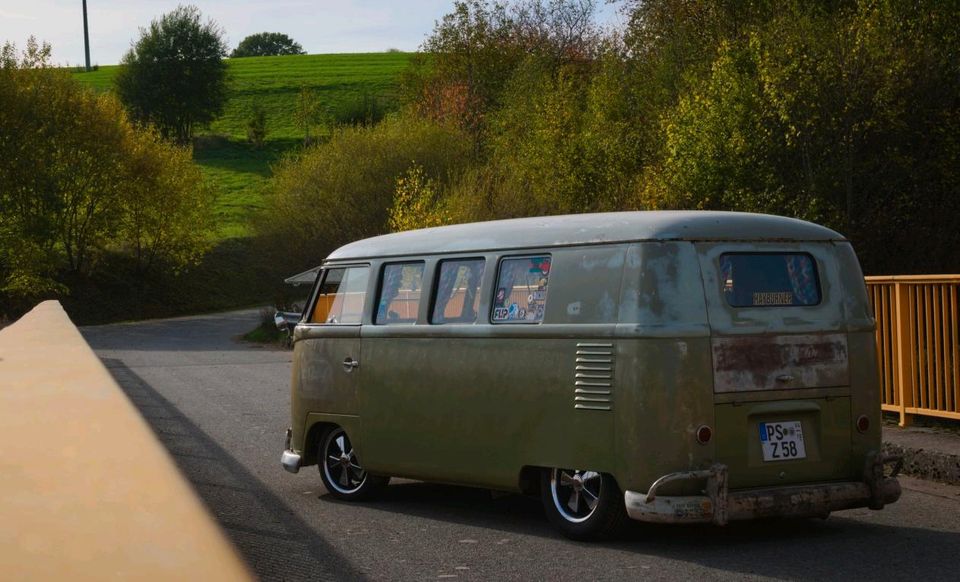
(769,279)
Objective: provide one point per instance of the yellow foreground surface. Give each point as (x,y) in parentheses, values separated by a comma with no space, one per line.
(86,490)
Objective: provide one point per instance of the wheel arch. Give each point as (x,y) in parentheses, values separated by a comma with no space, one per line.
(311,444)
(528,481)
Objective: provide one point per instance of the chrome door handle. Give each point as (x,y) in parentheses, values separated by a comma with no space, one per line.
(349,364)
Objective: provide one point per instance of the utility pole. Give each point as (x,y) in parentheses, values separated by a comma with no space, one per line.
(86,35)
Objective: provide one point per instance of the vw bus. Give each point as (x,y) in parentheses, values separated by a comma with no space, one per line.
(671,367)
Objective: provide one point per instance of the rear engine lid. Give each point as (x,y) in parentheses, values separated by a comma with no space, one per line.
(779,362)
(777,315)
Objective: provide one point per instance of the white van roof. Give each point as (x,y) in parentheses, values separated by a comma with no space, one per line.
(587,229)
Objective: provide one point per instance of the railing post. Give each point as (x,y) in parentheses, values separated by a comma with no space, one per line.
(904,361)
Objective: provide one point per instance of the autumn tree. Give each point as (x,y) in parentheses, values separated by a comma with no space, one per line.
(845,116)
(475,49)
(342,189)
(78,181)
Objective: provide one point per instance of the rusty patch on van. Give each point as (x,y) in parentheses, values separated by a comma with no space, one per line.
(778,362)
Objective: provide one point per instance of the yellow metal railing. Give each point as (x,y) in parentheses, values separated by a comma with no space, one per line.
(918,343)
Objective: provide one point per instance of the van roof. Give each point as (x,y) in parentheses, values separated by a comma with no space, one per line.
(586,229)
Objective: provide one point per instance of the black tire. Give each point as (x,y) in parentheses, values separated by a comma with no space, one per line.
(583,505)
(340,469)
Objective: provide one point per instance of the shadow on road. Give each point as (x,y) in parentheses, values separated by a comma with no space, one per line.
(275,542)
(811,549)
(279,544)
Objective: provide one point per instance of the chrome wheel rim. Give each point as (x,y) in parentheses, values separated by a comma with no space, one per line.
(341,466)
(576,493)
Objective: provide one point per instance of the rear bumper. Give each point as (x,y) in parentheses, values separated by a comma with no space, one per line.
(290,459)
(719,505)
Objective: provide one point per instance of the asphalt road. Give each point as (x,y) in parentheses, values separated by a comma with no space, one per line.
(221,406)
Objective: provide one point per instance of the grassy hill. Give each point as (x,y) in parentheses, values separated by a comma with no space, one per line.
(345,85)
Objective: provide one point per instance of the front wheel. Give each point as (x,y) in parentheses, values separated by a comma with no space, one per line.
(583,505)
(340,469)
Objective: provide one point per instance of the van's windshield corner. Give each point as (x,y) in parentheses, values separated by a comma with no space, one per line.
(340,296)
(769,279)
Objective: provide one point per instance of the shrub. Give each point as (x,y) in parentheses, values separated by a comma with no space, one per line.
(341,190)
(416,202)
(78,181)
(257,126)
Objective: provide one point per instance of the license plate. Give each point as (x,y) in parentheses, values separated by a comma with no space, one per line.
(782,441)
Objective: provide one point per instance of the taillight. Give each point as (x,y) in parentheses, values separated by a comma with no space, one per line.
(703,434)
(863,423)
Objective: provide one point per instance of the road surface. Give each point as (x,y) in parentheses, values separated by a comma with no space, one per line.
(221,406)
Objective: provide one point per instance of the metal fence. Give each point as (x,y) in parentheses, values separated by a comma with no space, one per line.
(918,343)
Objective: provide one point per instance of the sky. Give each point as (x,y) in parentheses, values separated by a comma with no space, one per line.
(320,26)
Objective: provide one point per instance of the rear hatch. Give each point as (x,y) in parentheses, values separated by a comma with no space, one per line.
(781,375)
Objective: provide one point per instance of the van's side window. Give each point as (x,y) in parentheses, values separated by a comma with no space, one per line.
(769,279)
(521,291)
(458,291)
(341,295)
(400,293)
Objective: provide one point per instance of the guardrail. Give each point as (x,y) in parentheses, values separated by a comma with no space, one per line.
(918,344)
(87,492)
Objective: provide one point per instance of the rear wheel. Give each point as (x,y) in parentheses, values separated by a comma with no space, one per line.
(583,505)
(341,471)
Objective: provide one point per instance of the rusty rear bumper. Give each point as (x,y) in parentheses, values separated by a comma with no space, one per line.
(718,505)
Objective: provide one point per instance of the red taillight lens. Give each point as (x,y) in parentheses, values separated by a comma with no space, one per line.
(703,434)
(863,424)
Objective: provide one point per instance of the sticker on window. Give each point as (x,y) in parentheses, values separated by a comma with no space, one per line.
(769,279)
(521,291)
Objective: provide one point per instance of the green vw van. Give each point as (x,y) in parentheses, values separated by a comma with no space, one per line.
(674,367)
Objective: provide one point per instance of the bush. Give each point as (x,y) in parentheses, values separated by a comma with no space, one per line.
(78,181)
(364,109)
(266,331)
(416,202)
(341,190)
(257,126)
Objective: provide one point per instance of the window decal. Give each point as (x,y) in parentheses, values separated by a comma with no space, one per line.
(521,291)
(769,279)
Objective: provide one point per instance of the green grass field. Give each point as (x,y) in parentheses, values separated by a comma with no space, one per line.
(343,84)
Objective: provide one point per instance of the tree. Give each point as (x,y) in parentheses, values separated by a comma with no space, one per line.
(167,207)
(342,189)
(174,76)
(416,202)
(79,182)
(267,44)
(474,51)
(257,126)
(309,113)
(848,118)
